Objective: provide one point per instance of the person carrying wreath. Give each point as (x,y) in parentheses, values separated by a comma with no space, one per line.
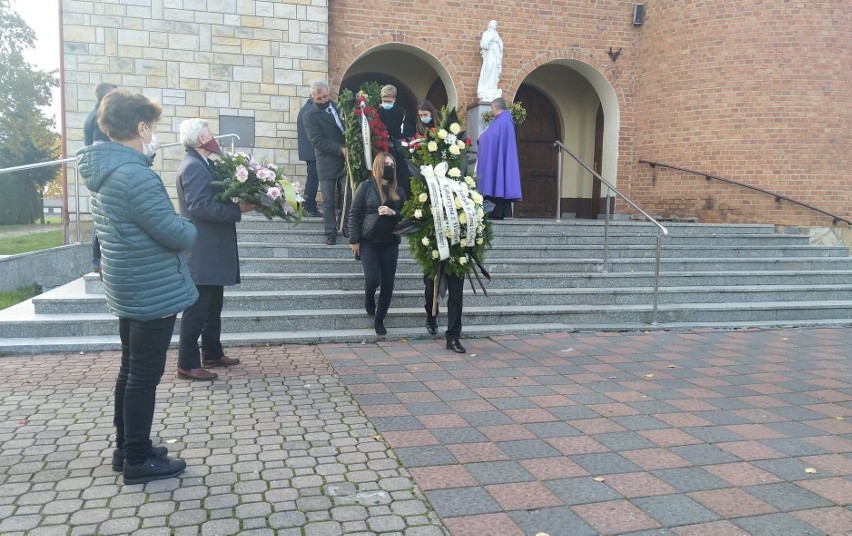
(373,217)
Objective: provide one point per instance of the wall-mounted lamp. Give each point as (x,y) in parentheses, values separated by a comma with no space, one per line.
(638,14)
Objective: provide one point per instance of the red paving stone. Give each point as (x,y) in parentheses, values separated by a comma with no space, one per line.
(651,459)
(477,452)
(506,432)
(552,468)
(836,490)
(576,445)
(615,517)
(442,420)
(669,437)
(730,503)
(716,528)
(834,464)
(523,496)
(750,450)
(409,438)
(525,416)
(742,474)
(834,521)
(480,525)
(442,477)
(633,485)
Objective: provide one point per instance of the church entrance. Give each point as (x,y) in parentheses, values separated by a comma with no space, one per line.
(536,154)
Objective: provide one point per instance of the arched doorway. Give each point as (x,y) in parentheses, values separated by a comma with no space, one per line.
(423,75)
(536,154)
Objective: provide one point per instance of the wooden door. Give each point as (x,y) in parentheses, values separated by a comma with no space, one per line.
(536,155)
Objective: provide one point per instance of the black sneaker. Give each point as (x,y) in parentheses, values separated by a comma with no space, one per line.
(313,213)
(380,328)
(118,456)
(153,468)
(330,240)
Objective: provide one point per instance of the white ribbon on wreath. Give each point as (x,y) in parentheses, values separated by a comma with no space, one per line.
(365,137)
(442,193)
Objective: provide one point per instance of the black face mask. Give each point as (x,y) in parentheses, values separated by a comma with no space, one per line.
(323,106)
(387,173)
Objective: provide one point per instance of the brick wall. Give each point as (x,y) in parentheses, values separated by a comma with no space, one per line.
(752,90)
(199,58)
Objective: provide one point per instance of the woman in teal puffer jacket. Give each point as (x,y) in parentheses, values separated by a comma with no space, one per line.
(145,276)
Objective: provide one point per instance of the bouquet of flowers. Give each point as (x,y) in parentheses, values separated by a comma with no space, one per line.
(355,109)
(445,222)
(240,178)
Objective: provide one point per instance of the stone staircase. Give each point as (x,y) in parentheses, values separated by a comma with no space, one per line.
(547,276)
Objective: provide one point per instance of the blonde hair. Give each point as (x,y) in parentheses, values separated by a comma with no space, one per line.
(388,91)
(378,168)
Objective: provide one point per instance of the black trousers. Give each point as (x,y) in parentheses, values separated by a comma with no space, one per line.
(96,249)
(329,191)
(311,186)
(204,318)
(379,263)
(143,360)
(502,208)
(455,287)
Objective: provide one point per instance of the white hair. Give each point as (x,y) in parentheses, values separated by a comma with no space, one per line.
(317,86)
(191,130)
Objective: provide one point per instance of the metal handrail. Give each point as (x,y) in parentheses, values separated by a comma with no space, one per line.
(835,219)
(77,176)
(663,231)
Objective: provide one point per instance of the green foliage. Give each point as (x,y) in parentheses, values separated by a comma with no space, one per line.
(350,111)
(445,144)
(35,241)
(26,135)
(12,297)
(519,114)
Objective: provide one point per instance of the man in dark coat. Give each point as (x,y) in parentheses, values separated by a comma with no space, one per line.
(91,134)
(309,157)
(213,260)
(324,128)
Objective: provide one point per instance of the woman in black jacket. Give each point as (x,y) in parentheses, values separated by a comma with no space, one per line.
(372,219)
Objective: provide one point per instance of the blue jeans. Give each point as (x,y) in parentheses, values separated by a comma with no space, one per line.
(143,361)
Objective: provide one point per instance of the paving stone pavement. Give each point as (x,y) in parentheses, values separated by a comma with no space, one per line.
(692,433)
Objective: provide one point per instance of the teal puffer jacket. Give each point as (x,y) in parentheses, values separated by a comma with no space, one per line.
(142,239)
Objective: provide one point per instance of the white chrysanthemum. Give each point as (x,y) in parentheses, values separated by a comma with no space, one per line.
(451,139)
(425,241)
(418,213)
(423,197)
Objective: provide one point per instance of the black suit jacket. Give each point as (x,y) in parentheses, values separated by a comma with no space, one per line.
(306,148)
(327,139)
(91,131)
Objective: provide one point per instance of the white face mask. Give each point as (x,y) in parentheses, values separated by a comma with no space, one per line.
(150,149)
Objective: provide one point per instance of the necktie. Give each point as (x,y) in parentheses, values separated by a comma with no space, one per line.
(330,111)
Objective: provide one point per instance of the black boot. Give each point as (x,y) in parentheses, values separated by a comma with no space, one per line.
(153,468)
(380,327)
(431,325)
(455,346)
(370,304)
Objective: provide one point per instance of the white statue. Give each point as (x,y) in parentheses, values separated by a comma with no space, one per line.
(492,63)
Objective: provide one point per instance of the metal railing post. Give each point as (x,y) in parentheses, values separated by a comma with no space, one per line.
(606,233)
(558,183)
(657,281)
(77,203)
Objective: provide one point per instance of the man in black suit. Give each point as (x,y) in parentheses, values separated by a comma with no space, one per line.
(308,156)
(324,128)
(213,260)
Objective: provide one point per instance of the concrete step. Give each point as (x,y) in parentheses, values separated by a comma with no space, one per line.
(497,265)
(285,321)
(536,226)
(56,302)
(292,237)
(340,251)
(270,282)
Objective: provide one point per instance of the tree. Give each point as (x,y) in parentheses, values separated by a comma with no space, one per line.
(26,135)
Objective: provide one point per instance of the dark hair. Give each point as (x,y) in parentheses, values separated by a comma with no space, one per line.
(121,111)
(427,106)
(378,169)
(102,89)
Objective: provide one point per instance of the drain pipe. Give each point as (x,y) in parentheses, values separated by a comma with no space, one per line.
(63,128)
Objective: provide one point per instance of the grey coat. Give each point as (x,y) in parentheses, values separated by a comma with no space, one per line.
(327,139)
(142,239)
(213,259)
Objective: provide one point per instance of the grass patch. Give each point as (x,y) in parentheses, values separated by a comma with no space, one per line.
(11,297)
(12,245)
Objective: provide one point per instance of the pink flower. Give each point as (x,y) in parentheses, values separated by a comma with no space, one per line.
(297,187)
(274,193)
(242,173)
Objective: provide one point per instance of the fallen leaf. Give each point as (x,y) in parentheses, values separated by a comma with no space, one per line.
(82,353)
(568,350)
(672,366)
(541,534)
(649,375)
(599,479)
(810,470)
(376,437)
(613,377)
(170,441)
(472,355)
(839,418)
(404,340)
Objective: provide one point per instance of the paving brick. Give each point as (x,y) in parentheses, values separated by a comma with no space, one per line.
(787,497)
(582,490)
(477,525)
(462,502)
(498,472)
(774,524)
(615,517)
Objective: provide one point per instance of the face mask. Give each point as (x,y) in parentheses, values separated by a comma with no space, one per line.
(212,146)
(426,120)
(322,106)
(387,174)
(150,149)
(387,105)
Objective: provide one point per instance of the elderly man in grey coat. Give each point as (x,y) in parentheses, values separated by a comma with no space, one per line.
(213,260)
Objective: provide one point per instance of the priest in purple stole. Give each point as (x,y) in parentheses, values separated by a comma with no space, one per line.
(497,162)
